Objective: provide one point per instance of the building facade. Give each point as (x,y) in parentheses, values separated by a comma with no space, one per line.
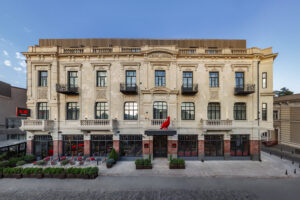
(286,121)
(88,96)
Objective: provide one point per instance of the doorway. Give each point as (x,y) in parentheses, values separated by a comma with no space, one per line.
(160,146)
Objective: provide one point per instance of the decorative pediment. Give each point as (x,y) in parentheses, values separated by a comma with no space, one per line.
(159,90)
(160,53)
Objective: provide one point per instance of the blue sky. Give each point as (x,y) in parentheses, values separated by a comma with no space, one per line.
(263,23)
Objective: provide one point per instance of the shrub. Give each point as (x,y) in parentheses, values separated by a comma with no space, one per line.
(20,163)
(32,170)
(147,162)
(29,158)
(181,162)
(64,162)
(41,162)
(174,162)
(89,171)
(3,156)
(4,164)
(113,155)
(1,170)
(13,161)
(139,162)
(74,170)
(10,170)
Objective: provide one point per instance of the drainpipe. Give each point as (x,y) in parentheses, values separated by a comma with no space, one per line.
(259,157)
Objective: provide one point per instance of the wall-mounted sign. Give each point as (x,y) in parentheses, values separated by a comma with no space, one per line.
(146,146)
(22,112)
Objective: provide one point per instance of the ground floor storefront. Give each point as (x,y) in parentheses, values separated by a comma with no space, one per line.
(205,147)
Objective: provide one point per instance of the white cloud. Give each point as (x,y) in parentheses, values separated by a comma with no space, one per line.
(22,63)
(7,63)
(5,53)
(18,69)
(20,56)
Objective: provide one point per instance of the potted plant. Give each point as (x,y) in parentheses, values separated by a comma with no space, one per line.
(139,164)
(173,164)
(12,172)
(29,158)
(113,155)
(110,163)
(81,162)
(181,164)
(41,162)
(147,164)
(72,162)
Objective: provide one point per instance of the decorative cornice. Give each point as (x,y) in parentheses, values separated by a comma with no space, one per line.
(159,90)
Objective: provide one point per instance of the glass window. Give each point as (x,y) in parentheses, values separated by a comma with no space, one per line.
(264,111)
(72,79)
(131,145)
(160,78)
(72,111)
(239,79)
(43,145)
(73,145)
(239,111)
(101,110)
(213,79)
(188,145)
(130,111)
(187,79)
(275,115)
(101,78)
(187,111)
(43,77)
(213,111)
(213,145)
(13,122)
(42,111)
(160,110)
(101,145)
(130,78)
(264,80)
(239,145)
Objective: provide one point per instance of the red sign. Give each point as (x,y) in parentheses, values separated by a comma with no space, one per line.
(22,112)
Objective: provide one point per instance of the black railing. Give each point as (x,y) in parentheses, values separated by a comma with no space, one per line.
(244,89)
(66,89)
(128,88)
(189,89)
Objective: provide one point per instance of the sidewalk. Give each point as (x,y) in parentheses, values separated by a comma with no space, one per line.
(283,151)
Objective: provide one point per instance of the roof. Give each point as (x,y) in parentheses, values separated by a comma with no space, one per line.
(108,42)
(293,97)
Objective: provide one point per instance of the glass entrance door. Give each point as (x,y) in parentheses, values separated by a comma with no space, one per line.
(213,145)
(160,146)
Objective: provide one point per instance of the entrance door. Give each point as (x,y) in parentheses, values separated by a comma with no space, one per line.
(160,146)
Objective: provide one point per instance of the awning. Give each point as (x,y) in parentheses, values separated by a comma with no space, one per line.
(169,132)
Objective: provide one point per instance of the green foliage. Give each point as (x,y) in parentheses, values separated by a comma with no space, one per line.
(20,163)
(11,170)
(1,170)
(177,162)
(4,163)
(89,170)
(54,170)
(147,162)
(180,162)
(3,156)
(113,155)
(139,162)
(143,162)
(283,92)
(29,158)
(64,162)
(32,170)
(13,161)
(41,162)
(74,170)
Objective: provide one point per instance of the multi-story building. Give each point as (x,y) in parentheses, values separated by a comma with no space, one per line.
(286,121)
(88,96)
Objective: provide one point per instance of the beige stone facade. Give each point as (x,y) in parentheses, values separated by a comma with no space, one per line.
(116,56)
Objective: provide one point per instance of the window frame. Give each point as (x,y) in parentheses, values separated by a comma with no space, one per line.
(132,78)
(214,80)
(42,105)
(238,80)
(264,112)
(186,115)
(161,111)
(75,84)
(240,111)
(188,83)
(133,110)
(105,110)
(215,109)
(42,80)
(264,83)
(160,81)
(101,81)
(277,115)
(76,110)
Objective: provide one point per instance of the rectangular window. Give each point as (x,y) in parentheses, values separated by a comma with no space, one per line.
(43,79)
(264,111)
(213,111)
(72,79)
(13,122)
(264,80)
(213,79)
(188,145)
(160,78)
(160,110)
(187,111)
(101,110)
(239,111)
(130,111)
(42,111)
(72,111)
(275,115)
(239,79)
(73,145)
(101,78)
(130,78)
(101,145)
(187,79)
(131,145)
(239,145)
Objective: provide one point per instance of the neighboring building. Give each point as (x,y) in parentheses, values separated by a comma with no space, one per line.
(287,120)
(88,96)
(11,137)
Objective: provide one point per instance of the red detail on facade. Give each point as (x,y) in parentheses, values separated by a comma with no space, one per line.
(87,147)
(227,147)
(148,150)
(165,124)
(57,147)
(116,145)
(200,147)
(254,147)
(29,149)
(172,150)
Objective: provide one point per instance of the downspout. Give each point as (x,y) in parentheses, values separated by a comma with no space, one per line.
(259,157)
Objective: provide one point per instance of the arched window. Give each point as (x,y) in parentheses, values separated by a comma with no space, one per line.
(213,111)
(239,111)
(160,110)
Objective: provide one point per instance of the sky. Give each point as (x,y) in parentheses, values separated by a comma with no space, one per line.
(263,23)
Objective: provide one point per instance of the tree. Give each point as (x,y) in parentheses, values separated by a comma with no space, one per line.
(283,91)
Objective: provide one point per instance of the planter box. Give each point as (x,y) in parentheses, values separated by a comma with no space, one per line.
(148,167)
(84,176)
(139,167)
(32,175)
(13,176)
(176,167)
(181,167)
(93,176)
(109,165)
(61,176)
(48,176)
(71,175)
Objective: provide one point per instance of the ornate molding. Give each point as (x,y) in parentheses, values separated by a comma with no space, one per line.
(101,66)
(187,66)
(240,67)
(214,67)
(160,90)
(75,66)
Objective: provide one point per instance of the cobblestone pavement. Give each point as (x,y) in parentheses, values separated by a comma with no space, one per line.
(144,187)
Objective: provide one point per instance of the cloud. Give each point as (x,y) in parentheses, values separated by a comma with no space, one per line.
(5,53)
(7,63)
(22,63)
(20,56)
(18,69)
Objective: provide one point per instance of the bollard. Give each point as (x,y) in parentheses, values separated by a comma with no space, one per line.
(281,157)
(270,152)
(286,173)
(202,160)
(292,161)
(294,171)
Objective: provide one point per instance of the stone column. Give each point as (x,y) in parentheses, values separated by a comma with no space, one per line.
(29,147)
(57,148)
(201,149)
(148,148)
(87,147)
(254,149)
(226,149)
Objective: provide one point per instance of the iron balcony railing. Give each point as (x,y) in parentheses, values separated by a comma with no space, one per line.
(66,89)
(244,89)
(128,88)
(189,89)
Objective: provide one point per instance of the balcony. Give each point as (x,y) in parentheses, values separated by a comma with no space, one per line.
(131,50)
(217,124)
(65,89)
(73,50)
(188,51)
(244,90)
(213,51)
(102,50)
(156,123)
(96,124)
(189,89)
(37,125)
(128,88)
(239,51)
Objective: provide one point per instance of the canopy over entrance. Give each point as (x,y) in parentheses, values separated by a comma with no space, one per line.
(169,132)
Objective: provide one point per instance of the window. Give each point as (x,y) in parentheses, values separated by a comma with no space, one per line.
(101,145)
(213,79)
(160,110)
(187,79)
(130,78)
(239,145)
(214,145)
(130,111)
(264,111)
(43,77)
(213,111)
(72,111)
(160,78)
(101,78)
(42,111)
(187,111)
(264,80)
(101,110)
(13,122)
(72,79)
(73,145)
(275,115)
(239,79)
(131,145)
(188,145)
(239,111)
(43,145)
